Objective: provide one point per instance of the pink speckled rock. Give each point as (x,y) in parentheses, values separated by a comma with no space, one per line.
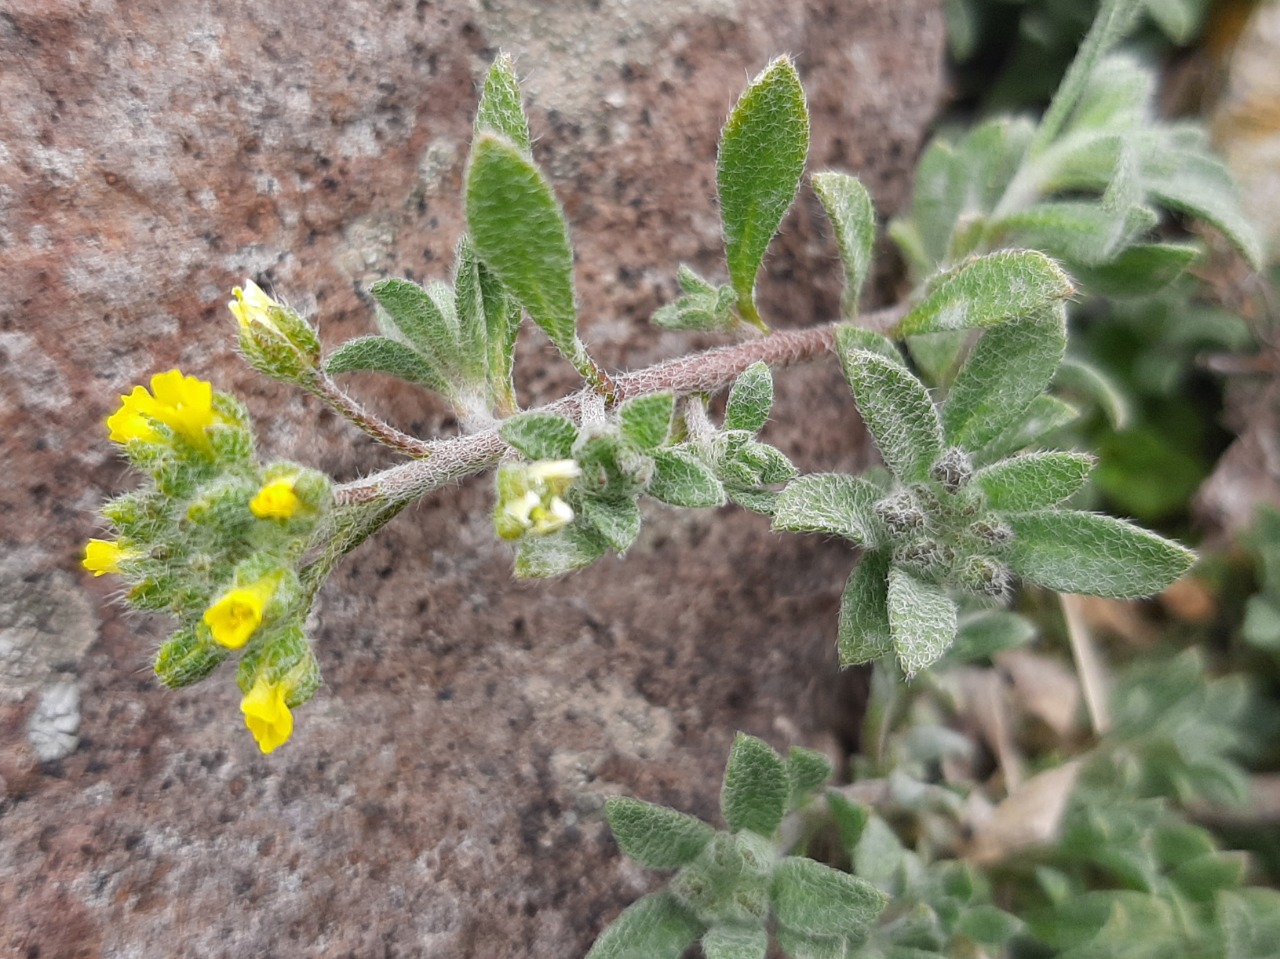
(441,795)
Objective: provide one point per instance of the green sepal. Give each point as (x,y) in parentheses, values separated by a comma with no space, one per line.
(655,836)
(853,219)
(735,942)
(833,503)
(681,478)
(922,621)
(756,787)
(646,420)
(988,290)
(575,546)
(807,771)
(758,168)
(750,399)
(520,233)
(380,354)
(500,110)
(864,634)
(1033,480)
(617,521)
(655,927)
(815,900)
(1077,552)
(898,412)
(188,657)
(540,436)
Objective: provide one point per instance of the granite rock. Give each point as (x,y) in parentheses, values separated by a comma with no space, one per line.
(441,796)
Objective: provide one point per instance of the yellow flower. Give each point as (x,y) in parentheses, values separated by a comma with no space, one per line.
(235,615)
(128,422)
(267,714)
(251,306)
(276,499)
(103,556)
(182,403)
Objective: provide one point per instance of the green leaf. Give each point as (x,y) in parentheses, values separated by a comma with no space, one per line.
(1250,920)
(654,836)
(539,557)
(473,332)
(922,620)
(655,927)
(1139,270)
(988,925)
(521,234)
(646,420)
(1075,552)
(755,790)
(426,319)
(699,310)
(898,412)
(761,158)
(807,770)
(1044,415)
(864,634)
(1009,367)
(987,291)
(937,198)
(735,942)
(750,400)
(850,818)
(1200,185)
(853,218)
(1086,233)
(816,900)
(983,635)
(380,354)
(851,338)
(833,503)
(502,315)
(618,521)
(500,110)
(682,479)
(540,436)
(1033,480)
(1082,379)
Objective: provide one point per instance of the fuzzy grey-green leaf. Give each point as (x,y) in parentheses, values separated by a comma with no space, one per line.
(416,314)
(853,219)
(1077,552)
(540,436)
(473,333)
(863,633)
(654,836)
(1044,415)
(1009,367)
(987,291)
(922,619)
(383,355)
(520,233)
(807,770)
(655,927)
(750,400)
(646,420)
(849,338)
(682,479)
(539,557)
(761,159)
(898,413)
(500,110)
(834,503)
(618,521)
(1033,480)
(755,790)
(735,942)
(816,900)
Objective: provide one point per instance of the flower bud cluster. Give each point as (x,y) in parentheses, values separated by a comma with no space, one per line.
(273,337)
(215,538)
(944,532)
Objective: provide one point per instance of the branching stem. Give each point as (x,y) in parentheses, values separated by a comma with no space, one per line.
(349,409)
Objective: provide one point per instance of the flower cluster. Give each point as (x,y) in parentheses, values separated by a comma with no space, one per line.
(215,538)
(531,498)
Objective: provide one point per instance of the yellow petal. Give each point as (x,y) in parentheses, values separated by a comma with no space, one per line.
(266,714)
(234,617)
(276,500)
(102,556)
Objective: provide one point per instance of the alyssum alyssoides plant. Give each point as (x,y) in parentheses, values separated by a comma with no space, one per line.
(969,500)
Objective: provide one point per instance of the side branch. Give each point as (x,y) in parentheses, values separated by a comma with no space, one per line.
(708,372)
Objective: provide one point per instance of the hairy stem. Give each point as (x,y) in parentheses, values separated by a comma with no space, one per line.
(453,459)
(345,406)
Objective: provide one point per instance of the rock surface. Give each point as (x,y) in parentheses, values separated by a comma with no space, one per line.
(441,795)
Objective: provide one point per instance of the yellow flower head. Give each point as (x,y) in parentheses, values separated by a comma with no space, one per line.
(103,556)
(267,714)
(276,499)
(235,615)
(251,306)
(182,403)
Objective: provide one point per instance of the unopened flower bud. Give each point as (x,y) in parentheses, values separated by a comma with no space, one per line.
(900,514)
(274,338)
(953,469)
